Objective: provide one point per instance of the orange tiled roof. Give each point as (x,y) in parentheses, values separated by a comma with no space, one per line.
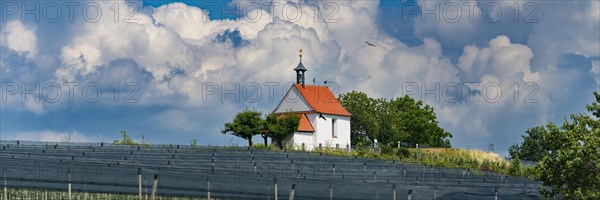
(305,125)
(322,100)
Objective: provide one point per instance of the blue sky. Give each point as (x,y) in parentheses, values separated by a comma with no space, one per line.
(176,71)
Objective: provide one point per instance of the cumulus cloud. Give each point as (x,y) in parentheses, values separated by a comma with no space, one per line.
(51,136)
(18,37)
(174,51)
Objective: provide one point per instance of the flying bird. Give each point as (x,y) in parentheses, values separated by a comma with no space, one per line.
(370,44)
(321,116)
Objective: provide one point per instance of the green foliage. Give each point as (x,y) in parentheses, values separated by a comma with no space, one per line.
(386,150)
(263,146)
(364,121)
(595,106)
(570,165)
(533,147)
(515,167)
(194,143)
(399,119)
(245,124)
(125,139)
(281,126)
(402,152)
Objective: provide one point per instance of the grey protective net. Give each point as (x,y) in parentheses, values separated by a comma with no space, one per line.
(242,173)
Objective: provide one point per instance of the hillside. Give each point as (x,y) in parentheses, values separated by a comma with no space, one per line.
(248,173)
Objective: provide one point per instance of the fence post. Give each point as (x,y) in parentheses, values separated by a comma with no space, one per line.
(275,181)
(208,189)
(394,191)
(409,194)
(292,191)
(5,190)
(140,183)
(69,183)
(333,168)
(330,192)
(154,186)
(495,193)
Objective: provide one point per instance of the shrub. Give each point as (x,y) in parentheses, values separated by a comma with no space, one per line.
(386,150)
(403,152)
(515,167)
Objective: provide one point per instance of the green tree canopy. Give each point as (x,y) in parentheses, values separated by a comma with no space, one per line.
(281,126)
(533,146)
(570,166)
(399,119)
(245,124)
(364,121)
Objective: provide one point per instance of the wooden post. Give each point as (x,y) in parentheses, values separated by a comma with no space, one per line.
(139,183)
(365,166)
(207,189)
(154,186)
(495,193)
(69,183)
(330,192)
(394,191)
(5,190)
(275,181)
(292,191)
(334,169)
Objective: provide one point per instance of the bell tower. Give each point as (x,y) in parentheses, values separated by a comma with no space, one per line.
(300,69)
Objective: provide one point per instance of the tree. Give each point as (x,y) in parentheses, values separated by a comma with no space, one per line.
(515,167)
(418,123)
(281,126)
(595,106)
(245,124)
(399,119)
(533,147)
(364,121)
(571,164)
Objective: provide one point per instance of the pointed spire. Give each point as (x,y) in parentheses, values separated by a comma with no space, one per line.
(300,66)
(300,69)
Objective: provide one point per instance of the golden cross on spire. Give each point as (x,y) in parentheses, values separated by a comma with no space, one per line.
(300,52)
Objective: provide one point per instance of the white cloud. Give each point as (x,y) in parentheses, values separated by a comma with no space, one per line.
(51,136)
(18,37)
(502,58)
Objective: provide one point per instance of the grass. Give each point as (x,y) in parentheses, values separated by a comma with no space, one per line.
(436,157)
